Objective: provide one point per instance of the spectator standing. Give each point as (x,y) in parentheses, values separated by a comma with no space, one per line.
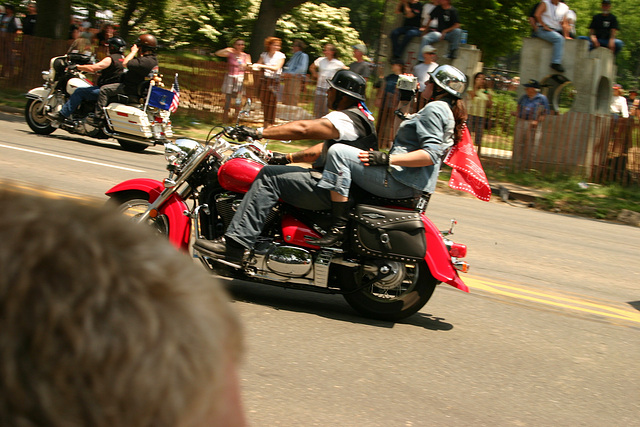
(387,101)
(106,32)
(30,19)
(479,101)
(10,23)
(232,86)
(552,27)
(619,145)
(421,70)
(633,103)
(412,12)
(295,73)
(271,62)
(619,106)
(532,109)
(360,66)
(105,324)
(324,68)
(603,30)
(448,28)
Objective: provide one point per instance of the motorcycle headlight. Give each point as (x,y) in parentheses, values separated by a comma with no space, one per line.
(177,153)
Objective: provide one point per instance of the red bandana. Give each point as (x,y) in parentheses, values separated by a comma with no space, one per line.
(467,174)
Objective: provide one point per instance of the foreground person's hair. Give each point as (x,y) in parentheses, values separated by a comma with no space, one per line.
(105,324)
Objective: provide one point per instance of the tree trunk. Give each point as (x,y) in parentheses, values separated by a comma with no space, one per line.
(56,24)
(265,25)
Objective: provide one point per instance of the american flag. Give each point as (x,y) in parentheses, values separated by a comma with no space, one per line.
(175,88)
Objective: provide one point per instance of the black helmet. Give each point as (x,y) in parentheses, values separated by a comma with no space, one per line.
(349,83)
(147,42)
(116,45)
(450,79)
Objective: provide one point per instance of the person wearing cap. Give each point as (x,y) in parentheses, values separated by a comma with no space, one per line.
(551,17)
(603,30)
(411,167)
(619,106)
(532,109)
(422,69)
(633,102)
(294,73)
(360,66)
(350,123)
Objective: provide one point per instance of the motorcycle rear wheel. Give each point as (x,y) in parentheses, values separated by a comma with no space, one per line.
(395,297)
(133,204)
(36,119)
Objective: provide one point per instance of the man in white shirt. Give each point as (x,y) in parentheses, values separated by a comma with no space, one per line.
(551,17)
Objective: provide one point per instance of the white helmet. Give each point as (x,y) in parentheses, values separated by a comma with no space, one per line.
(450,79)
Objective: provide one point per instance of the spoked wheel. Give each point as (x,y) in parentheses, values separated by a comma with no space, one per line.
(399,294)
(133,206)
(36,119)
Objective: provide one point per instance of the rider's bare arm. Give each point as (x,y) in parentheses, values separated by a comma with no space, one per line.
(92,68)
(303,129)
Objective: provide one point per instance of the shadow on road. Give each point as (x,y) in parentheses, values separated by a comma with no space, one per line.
(330,306)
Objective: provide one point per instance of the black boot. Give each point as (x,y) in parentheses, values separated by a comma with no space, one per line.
(232,250)
(340,214)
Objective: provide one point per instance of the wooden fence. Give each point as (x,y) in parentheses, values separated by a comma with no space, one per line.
(596,147)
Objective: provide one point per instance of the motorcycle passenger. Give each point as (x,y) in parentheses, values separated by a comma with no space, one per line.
(350,123)
(412,165)
(138,70)
(111,69)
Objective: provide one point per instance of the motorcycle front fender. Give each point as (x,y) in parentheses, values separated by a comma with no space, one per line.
(38,93)
(438,258)
(173,208)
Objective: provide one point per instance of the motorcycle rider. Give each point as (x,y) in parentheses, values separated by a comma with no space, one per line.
(350,123)
(138,70)
(111,69)
(411,168)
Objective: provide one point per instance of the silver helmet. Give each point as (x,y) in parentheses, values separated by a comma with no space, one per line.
(450,79)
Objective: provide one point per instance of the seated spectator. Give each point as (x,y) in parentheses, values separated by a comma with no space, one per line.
(412,11)
(603,30)
(448,28)
(551,19)
(360,66)
(429,24)
(532,19)
(105,324)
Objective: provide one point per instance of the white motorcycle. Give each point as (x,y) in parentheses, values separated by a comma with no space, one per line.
(134,123)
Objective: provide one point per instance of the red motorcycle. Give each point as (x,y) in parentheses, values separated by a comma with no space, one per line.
(388,268)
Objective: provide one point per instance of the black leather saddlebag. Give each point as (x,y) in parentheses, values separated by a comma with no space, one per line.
(388,233)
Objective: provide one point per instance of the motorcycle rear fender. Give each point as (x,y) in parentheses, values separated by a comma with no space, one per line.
(438,258)
(173,208)
(38,93)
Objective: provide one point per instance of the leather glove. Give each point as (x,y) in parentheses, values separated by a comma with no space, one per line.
(278,159)
(378,158)
(244,132)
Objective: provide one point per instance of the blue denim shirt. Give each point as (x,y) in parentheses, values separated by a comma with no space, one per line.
(298,63)
(431,130)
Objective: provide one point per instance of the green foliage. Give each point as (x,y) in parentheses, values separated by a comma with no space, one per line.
(318,24)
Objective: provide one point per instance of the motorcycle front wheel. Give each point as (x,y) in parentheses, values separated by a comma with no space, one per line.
(134,204)
(398,295)
(36,119)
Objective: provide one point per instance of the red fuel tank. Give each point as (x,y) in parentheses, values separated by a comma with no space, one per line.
(238,174)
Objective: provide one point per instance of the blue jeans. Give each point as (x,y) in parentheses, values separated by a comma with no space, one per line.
(344,167)
(453,37)
(604,43)
(80,94)
(399,46)
(557,40)
(291,184)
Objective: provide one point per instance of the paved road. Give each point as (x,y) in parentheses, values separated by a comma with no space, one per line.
(548,335)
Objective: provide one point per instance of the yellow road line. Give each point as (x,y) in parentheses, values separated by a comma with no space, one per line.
(554,300)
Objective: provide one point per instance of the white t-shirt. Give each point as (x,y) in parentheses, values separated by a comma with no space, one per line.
(554,14)
(619,106)
(344,124)
(426,11)
(421,70)
(272,60)
(326,69)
